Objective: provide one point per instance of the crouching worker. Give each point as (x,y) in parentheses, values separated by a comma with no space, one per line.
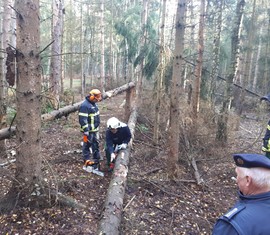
(89,120)
(117,138)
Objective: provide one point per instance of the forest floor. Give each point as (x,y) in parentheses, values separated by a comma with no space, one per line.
(153,204)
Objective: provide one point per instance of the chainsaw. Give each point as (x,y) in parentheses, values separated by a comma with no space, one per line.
(91,169)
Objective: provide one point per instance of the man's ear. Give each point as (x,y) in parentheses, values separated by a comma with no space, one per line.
(248,180)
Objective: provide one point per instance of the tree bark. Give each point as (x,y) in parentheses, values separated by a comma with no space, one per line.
(198,69)
(28,84)
(56,64)
(174,129)
(160,75)
(5,29)
(102,42)
(222,131)
(216,54)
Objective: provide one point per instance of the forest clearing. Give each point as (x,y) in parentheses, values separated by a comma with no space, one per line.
(186,76)
(153,204)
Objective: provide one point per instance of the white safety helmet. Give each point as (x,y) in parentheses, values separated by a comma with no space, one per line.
(113,123)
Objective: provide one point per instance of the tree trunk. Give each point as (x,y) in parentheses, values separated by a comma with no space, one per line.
(56,65)
(28,165)
(198,69)
(83,82)
(160,75)
(70,39)
(102,42)
(222,131)
(142,44)
(216,54)
(246,81)
(257,63)
(5,40)
(266,60)
(174,129)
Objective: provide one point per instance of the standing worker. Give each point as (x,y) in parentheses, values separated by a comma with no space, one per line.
(89,120)
(266,138)
(117,138)
(250,215)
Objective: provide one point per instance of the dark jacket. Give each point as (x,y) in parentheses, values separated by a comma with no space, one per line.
(122,136)
(89,118)
(266,139)
(249,216)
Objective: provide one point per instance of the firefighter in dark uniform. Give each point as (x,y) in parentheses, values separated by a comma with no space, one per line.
(118,136)
(266,138)
(250,215)
(89,120)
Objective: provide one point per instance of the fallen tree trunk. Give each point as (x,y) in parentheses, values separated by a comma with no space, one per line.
(109,223)
(65,111)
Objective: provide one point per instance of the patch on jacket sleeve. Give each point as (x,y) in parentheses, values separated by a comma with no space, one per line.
(229,215)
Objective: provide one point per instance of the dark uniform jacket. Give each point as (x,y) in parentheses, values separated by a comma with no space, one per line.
(89,118)
(266,140)
(249,216)
(122,136)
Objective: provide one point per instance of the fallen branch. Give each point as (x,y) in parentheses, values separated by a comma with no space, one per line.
(151,171)
(69,201)
(196,171)
(129,202)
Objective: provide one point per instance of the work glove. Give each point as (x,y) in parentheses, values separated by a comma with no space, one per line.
(85,136)
(119,147)
(122,146)
(113,156)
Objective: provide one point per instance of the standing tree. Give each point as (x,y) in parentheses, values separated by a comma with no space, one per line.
(144,16)
(174,128)
(160,74)
(102,50)
(216,52)
(5,40)
(28,91)
(56,65)
(198,70)
(222,131)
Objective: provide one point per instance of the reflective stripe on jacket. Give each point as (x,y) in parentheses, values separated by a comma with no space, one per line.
(89,118)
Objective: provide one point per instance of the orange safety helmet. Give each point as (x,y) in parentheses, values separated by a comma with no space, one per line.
(95,94)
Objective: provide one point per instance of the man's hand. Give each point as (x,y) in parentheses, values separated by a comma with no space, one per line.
(119,147)
(113,156)
(122,146)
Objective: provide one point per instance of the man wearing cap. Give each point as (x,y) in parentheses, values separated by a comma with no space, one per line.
(251,214)
(266,138)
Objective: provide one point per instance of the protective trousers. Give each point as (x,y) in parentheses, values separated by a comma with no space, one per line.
(91,146)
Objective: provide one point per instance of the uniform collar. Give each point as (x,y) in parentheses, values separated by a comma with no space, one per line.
(254,197)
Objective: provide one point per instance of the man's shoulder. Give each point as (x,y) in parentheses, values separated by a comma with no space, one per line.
(234,211)
(87,103)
